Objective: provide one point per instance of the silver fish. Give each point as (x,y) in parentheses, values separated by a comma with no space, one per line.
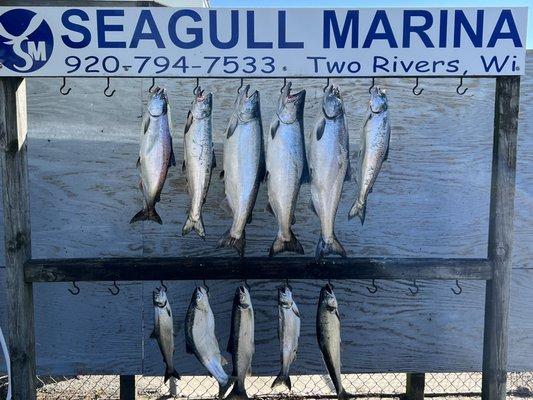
(244,166)
(201,341)
(288,333)
(241,342)
(164,331)
(329,167)
(155,156)
(199,158)
(286,167)
(328,332)
(374,149)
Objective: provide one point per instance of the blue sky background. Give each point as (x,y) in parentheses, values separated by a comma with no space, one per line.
(384,3)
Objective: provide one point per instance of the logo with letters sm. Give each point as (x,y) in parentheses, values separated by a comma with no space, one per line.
(26,40)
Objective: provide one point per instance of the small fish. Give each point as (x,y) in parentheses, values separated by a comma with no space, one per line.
(329,167)
(286,167)
(328,332)
(374,149)
(199,158)
(241,342)
(244,166)
(164,331)
(288,333)
(201,341)
(155,156)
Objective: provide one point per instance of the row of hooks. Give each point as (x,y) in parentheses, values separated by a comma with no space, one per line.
(416,90)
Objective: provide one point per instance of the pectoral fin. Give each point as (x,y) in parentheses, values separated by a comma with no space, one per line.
(320,128)
(188,123)
(273,128)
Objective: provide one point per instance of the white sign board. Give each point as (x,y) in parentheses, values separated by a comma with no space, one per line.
(176,42)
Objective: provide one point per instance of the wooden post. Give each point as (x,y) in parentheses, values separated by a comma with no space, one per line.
(414,386)
(14,161)
(127,387)
(500,244)
(173,387)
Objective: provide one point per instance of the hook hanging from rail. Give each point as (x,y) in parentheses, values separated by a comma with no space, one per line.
(284,84)
(163,285)
(197,86)
(457,292)
(327,84)
(61,89)
(107,88)
(374,288)
(76,290)
(417,289)
(372,87)
(240,87)
(114,293)
(461,92)
(151,89)
(415,92)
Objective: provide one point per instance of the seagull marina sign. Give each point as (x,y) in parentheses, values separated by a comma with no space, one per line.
(263,42)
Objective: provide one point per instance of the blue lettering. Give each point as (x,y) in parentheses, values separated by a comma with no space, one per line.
(103,28)
(408,28)
(351,23)
(443,31)
(505,16)
(195,32)
(68,24)
(252,44)
(494,62)
(232,42)
(145,17)
(461,21)
(282,33)
(388,35)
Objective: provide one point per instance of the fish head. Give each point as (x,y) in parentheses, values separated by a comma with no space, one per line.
(202,104)
(248,105)
(158,102)
(378,100)
(160,297)
(290,106)
(243,297)
(201,299)
(332,102)
(327,297)
(285,296)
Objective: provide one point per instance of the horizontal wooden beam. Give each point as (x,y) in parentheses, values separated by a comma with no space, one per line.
(220,268)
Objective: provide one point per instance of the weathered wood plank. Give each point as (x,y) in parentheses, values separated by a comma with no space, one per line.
(500,247)
(127,387)
(414,386)
(17,235)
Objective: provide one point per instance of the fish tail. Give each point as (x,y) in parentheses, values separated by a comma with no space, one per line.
(344,395)
(323,248)
(279,245)
(147,214)
(222,389)
(226,240)
(282,379)
(358,209)
(238,393)
(171,372)
(198,227)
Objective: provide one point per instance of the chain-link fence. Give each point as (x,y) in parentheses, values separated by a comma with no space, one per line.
(107,387)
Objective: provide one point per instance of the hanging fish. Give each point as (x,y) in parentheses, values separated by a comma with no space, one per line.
(164,331)
(329,167)
(374,149)
(244,166)
(328,332)
(288,333)
(241,342)
(286,167)
(155,156)
(199,159)
(201,341)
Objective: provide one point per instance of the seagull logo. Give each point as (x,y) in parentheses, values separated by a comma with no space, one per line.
(26,40)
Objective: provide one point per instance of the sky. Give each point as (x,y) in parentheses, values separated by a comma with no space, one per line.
(384,4)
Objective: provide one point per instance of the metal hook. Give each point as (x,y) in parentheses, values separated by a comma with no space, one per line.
(246,284)
(240,87)
(284,84)
(163,285)
(457,292)
(153,86)
(114,293)
(107,88)
(374,288)
(414,292)
(64,93)
(206,287)
(327,85)
(416,87)
(76,287)
(460,86)
(197,86)
(372,87)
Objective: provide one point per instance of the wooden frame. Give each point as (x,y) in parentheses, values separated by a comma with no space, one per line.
(22,271)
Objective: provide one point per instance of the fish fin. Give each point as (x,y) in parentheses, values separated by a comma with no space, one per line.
(323,248)
(344,395)
(213,160)
(237,393)
(168,312)
(198,227)
(231,127)
(282,380)
(249,219)
(359,210)
(147,215)
(171,373)
(138,163)
(306,176)
(226,240)
(348,176)
(188,348)
(279,245)
(183,166)
(157,198)
(221,175)
(145,123)
(153,335)
(172,160)
(267,174)
(320,128)
(223,360)
(249,372)
(188,123)
(269,209)
(386,154)
(273,128)
(222,389)
(295,310)
(312,207)
(293,220)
